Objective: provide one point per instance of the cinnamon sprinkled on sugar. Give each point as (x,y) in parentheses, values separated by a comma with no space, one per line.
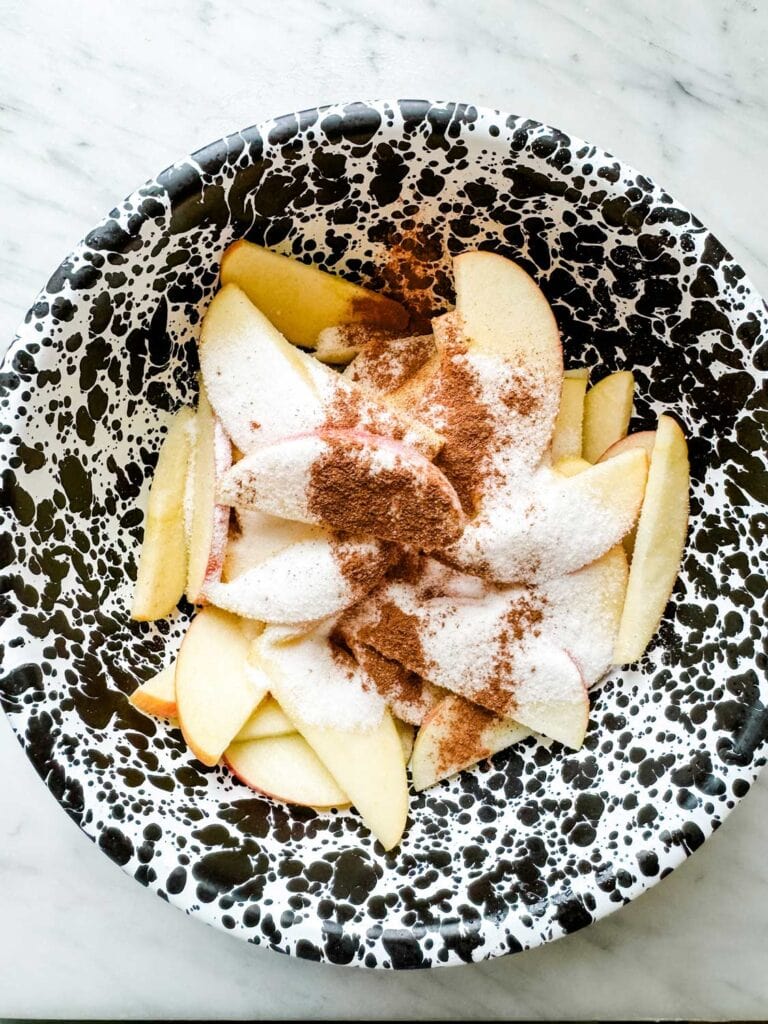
(466,424)
(361,571)
(385,363)
(349,491)
(405,691)
(460,745)
(402,634)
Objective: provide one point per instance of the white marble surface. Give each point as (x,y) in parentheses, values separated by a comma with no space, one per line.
(93,101)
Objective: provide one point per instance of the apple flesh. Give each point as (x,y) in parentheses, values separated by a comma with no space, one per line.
(287,769)
(644,439)
(407,734)
(305,581)
(162,571)
(264,389)
(607,411)
(456,735)
(216,692)
(209,520)
(571,466)
(367,764)
(158,695)
(303,301)
(349,481)
(659,544)
(567,435)
(267,720)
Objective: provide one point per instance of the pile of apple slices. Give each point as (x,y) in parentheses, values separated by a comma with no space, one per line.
(286,506)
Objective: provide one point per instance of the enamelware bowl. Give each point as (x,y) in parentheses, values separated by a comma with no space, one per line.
(540,841)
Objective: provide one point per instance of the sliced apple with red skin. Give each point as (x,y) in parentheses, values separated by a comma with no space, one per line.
(501,310)
(216,690)
(264,389)
(210,520)
(504,338)
(644,439)
(349,481)
(509,543)
(158,695)
(456,735)
(567,435)
(285,768)
(267,720)
(301,300)
(367,764)
(607,411)
(659,544)
(305,581)
(162,572)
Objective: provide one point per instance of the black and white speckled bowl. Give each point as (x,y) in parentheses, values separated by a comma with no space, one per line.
(540,842)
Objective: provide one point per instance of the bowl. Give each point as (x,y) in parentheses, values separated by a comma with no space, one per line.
(540,841)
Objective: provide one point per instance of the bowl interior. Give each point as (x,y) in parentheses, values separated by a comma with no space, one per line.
(540,841)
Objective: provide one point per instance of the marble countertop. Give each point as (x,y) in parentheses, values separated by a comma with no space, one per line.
(92,102)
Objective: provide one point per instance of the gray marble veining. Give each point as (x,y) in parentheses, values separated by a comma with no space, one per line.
(92,101)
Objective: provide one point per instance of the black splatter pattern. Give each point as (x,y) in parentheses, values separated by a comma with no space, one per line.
(540,841)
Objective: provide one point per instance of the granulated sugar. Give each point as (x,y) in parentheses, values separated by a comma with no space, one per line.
(319,683)
(301,583)
(542,525)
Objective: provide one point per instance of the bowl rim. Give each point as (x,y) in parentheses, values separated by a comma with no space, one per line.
(177,188)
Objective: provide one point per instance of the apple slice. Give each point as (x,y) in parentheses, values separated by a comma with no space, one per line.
(287,769)
(552,525)
(209,520)
(264,389)
(571,466)
(267,720)
(661,533)
(256,536)
(644,439)
(216,689)
(350,730)
(385,364)
(566,439)
(407,734)
(607,411)
(582,612)
(493,388)
(341,344)
(158,695)
(305,582)
(349,481)
(162,570)
(456,735)
(502,650)
(301,300)
(577,373)
(502,311)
